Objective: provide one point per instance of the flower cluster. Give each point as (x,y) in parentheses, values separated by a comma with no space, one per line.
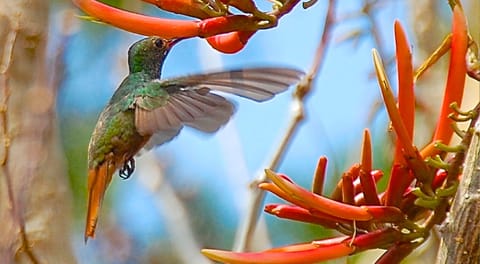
(421,184)
(225,31)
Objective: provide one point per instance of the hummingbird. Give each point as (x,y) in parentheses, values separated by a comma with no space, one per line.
(147,111)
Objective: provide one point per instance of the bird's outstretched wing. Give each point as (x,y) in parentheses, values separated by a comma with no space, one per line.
(258,84)
(206,112)
(189,101)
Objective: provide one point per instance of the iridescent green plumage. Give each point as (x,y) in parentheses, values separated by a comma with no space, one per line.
(146,111)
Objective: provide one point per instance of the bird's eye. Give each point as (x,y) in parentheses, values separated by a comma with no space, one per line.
(159,43)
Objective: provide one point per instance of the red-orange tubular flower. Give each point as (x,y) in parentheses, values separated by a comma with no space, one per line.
(397,220)
(226,32)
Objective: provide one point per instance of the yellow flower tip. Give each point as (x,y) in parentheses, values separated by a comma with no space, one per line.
(217,255)
(391,105)
(270,174)
(264,185)
(367,152)
(379,69)
(208,252)
(278,179)
(375,54)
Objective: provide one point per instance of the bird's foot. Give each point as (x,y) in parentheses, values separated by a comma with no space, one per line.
(127,170)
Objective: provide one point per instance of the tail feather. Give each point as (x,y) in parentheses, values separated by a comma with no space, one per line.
(98,180)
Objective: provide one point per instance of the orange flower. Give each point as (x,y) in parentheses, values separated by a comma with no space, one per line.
(224,31)
(368,218)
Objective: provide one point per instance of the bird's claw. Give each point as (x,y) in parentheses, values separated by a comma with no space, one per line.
(127,170)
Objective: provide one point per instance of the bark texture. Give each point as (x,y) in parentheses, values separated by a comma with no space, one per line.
(35,200)
(461,233)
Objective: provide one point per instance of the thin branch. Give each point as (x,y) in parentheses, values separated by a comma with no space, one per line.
(248,224)
(4,67)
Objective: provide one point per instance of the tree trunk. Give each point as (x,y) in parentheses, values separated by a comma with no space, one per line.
(461,232)
(35,200)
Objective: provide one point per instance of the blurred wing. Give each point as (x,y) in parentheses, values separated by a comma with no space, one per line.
(189,101)
(195,108)
(258,84)
(160,138)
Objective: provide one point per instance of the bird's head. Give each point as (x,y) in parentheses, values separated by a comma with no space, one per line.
(148,54)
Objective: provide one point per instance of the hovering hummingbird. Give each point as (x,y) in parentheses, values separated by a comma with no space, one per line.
(146,111)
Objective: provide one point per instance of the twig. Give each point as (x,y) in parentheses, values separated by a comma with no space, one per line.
(248,224)
(4,67)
